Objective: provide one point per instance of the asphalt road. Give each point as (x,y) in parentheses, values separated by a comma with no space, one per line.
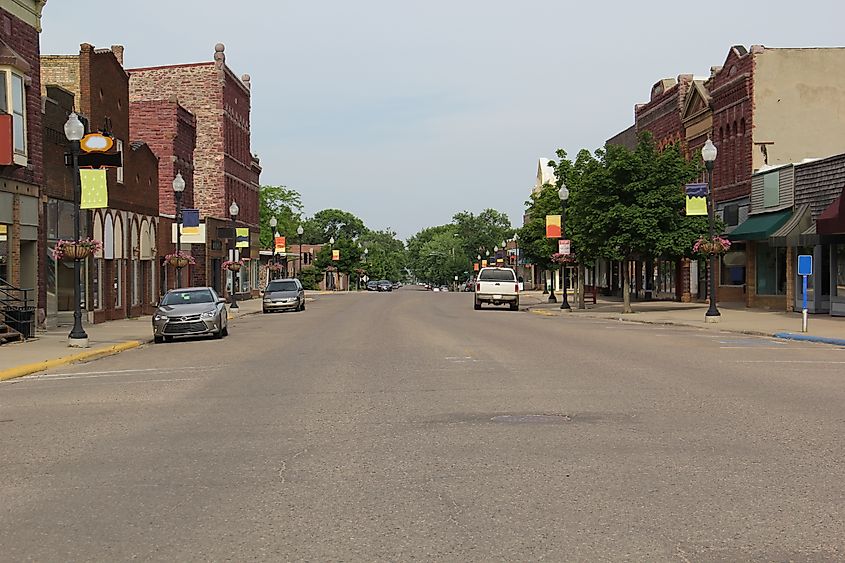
(406,426)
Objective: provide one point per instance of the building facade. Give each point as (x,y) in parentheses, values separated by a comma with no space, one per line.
(225,170)
(123,277)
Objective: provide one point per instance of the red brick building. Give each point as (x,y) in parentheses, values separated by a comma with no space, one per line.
(122,278)
(170,130)
(21,167)
(225,170)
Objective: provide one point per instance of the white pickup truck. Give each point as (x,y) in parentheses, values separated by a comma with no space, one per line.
(497,286)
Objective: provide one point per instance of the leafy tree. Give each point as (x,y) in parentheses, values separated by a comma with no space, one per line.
(330,223)
(285,205)
(350,256)
(533,244)
(386,255)
(310,277)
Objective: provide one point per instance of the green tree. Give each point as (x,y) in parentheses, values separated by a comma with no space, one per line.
(483,231)
(285,205)
(332,223)
(533,244)
(386,256)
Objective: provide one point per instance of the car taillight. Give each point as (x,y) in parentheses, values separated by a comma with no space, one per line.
(478,287)
(516,288)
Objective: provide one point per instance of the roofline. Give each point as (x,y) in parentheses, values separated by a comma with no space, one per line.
(206,63)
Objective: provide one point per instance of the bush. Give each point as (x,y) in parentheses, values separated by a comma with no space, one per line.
(310,277)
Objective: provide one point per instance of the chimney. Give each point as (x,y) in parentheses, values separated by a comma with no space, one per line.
(118,53)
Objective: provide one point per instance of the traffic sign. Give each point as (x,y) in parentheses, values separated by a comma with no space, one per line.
(564,246)
(805,265)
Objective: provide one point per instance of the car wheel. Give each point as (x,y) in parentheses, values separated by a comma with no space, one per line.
(515,306)
(477,306)
(265,311)
(302,307)
(158,339)
(168,339)
(225,331)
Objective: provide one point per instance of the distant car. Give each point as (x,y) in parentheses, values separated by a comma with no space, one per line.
(283,295)
(397,285)
(385,285)
(372,285)
(191,311)
(444,288)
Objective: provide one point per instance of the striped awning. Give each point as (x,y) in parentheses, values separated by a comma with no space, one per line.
(790,233)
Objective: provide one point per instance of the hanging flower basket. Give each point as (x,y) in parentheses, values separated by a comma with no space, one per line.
(274,267)
(180,259)
(233,265)
(558,258)
(76,249)
(718,245)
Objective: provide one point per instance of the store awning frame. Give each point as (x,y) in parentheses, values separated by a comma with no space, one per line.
(831,221)
(761,226)
(790,233)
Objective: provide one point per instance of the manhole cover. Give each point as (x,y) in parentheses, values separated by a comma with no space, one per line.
(532,418)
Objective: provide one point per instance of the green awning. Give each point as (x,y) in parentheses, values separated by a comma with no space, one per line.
(760,227)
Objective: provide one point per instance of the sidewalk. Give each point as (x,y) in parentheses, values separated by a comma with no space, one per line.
(49,349)
(735,317)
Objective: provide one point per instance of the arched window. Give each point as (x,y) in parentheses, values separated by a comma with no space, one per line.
(108,238)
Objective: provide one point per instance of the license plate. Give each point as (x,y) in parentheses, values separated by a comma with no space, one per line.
(497,297)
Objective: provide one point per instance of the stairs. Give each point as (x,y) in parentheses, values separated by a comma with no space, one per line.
(8,334)
(17,313)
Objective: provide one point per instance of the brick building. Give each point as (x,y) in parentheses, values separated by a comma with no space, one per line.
(170,130)
(21,167)
(225,170)
(122,278)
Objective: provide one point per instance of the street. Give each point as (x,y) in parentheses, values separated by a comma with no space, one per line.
(405,425)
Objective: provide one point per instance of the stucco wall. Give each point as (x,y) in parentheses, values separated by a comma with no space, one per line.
(799,104)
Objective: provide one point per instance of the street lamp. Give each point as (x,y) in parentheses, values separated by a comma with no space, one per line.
(563,194)
(178,190)
(74,131)
(233,212)
(299,231)
(708,153)
(273,233)
(331,251)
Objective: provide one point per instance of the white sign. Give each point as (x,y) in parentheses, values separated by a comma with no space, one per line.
(564,246)
(195,238)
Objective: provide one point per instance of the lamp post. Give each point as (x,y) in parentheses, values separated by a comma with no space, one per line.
(299,231)
(273,223)
(233,212)
(331,252)
(366,267)
(516,243)
(563,194)
(74,131)
(708,153)
(178,190)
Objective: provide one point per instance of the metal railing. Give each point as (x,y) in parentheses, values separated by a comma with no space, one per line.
(17,308)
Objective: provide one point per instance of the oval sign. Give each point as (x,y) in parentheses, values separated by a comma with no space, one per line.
(96,142)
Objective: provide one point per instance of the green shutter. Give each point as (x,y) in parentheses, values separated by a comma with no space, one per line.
(771,189)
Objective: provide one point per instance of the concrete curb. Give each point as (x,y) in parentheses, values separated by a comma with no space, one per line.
(28,369)
(810,338)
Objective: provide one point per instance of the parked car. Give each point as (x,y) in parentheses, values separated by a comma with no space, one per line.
(385,285)
(284,295)
(372,285)
(497,286)
(191,311)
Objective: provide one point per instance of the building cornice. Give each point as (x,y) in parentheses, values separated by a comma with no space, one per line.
(28,11)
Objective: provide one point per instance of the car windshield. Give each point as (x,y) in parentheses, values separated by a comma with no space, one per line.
(282,286)
(496,275)
(187,297)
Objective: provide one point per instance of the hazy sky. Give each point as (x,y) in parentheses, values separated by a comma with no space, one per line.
(406,112)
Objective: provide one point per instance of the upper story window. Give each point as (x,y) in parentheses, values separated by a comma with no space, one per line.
(13,102)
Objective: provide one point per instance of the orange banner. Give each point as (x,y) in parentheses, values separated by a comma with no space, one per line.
(552,226)
(475,267)
(484,263)
(335,255)
(280,244)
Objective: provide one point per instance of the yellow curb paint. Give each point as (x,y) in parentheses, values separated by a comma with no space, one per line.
(544,313)
(27,369)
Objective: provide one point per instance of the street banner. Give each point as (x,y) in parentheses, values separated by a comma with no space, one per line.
(484,263)
(552,226)
(242,237)
(696,190)
(95,193)
(500,261)
(335,255)
(475,267)
(190,221)
(564,246)
(696,206)
(280,244)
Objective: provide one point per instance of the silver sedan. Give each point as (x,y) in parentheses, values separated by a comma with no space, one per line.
(191,311)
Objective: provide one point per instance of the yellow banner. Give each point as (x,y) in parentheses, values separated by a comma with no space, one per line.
(696,206)
(280,244)
(552,226)
(335,255)
(95,192)
(242,237)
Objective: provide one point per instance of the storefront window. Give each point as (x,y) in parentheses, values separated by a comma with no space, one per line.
(136,282)
(97,292)
(839,251)
(118,283)
(4,252)
(771,270)
(733,266)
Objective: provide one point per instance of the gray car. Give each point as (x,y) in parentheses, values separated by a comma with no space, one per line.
(284,295)
(190,311)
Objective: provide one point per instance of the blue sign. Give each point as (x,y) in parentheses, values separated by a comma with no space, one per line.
(696,190)
(805,265)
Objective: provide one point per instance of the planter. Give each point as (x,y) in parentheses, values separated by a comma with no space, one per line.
(178,261)
(234,267)
(75,252)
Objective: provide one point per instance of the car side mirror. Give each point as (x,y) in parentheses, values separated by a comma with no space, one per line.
(221,300)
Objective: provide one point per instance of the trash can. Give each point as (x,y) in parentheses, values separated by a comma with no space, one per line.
(21,319)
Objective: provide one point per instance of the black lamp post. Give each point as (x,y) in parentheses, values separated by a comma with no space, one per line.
(233,213)
(178,189)
(274,260)
(74,131)
(708,153)
(299,231)
(563,193)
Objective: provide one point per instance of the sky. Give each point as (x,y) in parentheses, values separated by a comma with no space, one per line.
(405,112)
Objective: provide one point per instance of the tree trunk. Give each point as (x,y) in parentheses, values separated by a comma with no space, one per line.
(626,288)
(581,304)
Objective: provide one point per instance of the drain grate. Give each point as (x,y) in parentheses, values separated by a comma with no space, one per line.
(532,418)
